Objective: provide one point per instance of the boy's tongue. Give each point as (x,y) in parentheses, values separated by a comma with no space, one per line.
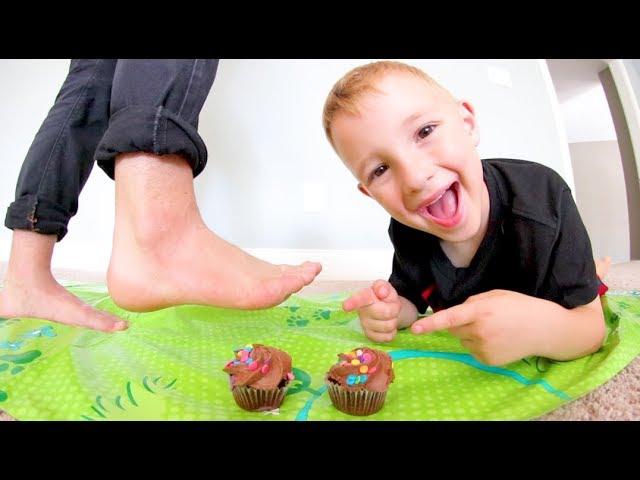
(445,207)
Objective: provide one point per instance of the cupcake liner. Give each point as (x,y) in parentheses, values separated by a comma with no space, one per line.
(355,402)
(253,399)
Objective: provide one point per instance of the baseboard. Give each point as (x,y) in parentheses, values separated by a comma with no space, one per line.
(337,265)
(363,264)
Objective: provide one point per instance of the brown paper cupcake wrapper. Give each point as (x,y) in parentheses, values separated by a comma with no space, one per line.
(253,399)
(355,402)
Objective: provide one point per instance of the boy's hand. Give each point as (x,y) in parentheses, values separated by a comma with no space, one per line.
(378,308)
(497,327)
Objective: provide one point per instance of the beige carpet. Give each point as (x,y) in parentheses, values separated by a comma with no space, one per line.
(618,399)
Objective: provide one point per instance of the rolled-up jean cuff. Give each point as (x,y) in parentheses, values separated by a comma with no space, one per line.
(140,128)
(37,214)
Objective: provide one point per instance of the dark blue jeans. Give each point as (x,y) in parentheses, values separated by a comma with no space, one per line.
(106,107)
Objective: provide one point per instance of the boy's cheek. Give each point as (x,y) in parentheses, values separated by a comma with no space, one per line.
(458,160)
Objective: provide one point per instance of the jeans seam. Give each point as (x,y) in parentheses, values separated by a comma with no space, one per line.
(64,126)
(31,217)
(186,94)
(164,131)
(156,121)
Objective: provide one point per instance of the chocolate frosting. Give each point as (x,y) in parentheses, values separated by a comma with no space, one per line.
(259,367)
(363,368)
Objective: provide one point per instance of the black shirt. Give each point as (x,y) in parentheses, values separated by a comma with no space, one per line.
(535,244)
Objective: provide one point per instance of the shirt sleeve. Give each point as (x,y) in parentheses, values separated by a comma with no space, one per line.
(573,268)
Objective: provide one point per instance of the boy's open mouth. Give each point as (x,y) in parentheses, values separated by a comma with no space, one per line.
(444,209)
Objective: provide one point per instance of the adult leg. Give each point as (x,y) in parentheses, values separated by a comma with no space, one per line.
(53,173)
(163,253)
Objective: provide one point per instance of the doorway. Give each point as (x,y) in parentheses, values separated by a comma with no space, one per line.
(605,171)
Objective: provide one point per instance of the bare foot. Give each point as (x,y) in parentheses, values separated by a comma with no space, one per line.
(164,255)
(31,291)
(602,267)
(48,300)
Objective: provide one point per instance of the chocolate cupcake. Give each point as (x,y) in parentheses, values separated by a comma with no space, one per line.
(358,383)
(259,376)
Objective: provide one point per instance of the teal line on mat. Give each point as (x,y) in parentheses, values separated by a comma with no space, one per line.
(469,360)
(456,357)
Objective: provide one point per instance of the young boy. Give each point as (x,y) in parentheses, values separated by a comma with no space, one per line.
(496,247)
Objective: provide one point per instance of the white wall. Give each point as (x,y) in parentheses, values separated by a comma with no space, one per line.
(587,116)
(630,97)
(601,197)
(262,126)
(633,69)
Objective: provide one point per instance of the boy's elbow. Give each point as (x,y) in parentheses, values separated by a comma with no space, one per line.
(598,338)
(598,331)
(601,332)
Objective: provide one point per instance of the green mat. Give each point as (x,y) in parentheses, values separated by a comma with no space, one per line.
(168,365)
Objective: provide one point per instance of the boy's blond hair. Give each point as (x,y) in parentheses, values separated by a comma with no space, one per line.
(347,91)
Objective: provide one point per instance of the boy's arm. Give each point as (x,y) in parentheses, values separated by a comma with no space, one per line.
(501,326)
(574,324)
(566,334)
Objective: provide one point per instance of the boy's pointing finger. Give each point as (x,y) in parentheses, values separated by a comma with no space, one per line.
(444,319)
(363,298)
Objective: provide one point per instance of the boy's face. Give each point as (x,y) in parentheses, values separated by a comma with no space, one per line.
(413,149)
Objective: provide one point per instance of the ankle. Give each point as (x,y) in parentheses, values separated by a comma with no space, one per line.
(155,199)
(28,278)
(30,258)
(156,230)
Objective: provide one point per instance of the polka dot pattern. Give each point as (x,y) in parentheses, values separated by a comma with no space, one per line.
(168,365)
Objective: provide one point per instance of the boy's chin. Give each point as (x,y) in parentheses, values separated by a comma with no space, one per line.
(465,231)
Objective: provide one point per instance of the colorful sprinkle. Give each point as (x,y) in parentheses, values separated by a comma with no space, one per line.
(367,357)
(373,369)
(248,347)
(253,366)
(364,369)
(265,368)
(356,379)
(358,352)
(290,376)
(355,361)
(250,361)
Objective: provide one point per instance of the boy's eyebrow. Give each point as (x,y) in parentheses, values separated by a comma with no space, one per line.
(411,118)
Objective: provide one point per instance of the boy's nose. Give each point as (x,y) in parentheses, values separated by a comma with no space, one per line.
(416,178)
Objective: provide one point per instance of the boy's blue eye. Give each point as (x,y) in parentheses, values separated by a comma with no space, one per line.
(425,131)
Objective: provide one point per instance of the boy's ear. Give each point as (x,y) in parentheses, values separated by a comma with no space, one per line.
(364,190)
(468,114)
